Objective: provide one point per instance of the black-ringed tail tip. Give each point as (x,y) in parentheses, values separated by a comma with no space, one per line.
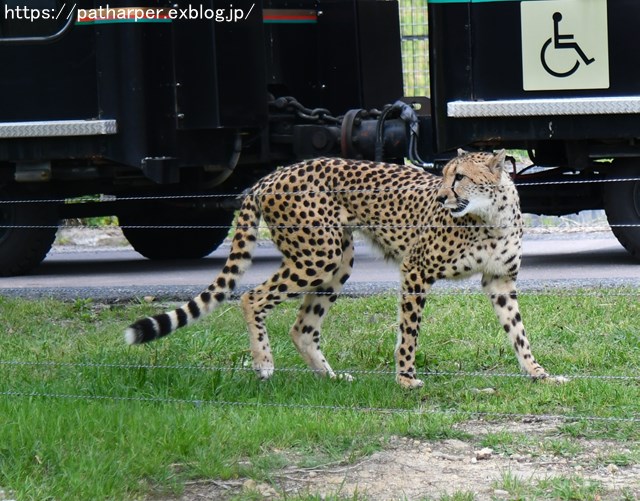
(132,335)
(157,326)
(151,328)
(143,331)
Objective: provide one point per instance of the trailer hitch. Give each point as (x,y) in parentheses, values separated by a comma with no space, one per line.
(392,135)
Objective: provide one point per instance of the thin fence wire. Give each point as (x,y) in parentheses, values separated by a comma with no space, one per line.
(310,192)
(313,226)
(329,408)
(310,407)
(306,370)
(521,293)
(419,410)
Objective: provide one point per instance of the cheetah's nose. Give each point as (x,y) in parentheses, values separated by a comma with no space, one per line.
(441,199)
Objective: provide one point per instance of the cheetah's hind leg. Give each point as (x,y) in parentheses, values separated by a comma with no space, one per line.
(256,304)
(319,284)
(305,333)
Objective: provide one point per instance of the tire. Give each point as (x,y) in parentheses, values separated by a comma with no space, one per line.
(22,249)
(622,206)
(176,243)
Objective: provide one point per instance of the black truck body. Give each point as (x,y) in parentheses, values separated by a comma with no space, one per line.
(559,79)
(157,109)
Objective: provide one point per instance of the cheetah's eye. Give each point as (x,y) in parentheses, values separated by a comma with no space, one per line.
(459,177)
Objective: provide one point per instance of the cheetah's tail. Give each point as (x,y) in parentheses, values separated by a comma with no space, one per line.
(242,246)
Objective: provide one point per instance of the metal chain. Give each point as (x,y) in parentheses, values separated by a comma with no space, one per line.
(320,407)
(313,115)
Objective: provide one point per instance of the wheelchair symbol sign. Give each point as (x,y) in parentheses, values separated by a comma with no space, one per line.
(564,44)
(561,42)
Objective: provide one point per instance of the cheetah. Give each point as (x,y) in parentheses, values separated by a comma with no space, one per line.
(468,221)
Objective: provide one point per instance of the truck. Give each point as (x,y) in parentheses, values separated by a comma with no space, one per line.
(163,113)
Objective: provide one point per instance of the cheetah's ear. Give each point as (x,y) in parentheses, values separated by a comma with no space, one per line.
(461,152)
(497,163)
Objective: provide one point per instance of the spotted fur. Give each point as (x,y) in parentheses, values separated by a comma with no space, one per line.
(466,222)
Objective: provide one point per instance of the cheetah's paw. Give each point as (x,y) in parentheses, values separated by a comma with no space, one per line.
(264,371)
(556,380)
(544,377)
(410,383)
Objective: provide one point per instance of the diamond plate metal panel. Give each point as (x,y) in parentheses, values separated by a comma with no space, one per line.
(57,128)
(544,107)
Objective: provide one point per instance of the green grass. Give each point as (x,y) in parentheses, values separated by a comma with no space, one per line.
(569,488)
(143,429)
(459,496)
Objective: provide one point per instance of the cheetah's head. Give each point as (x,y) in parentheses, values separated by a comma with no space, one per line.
(469,182)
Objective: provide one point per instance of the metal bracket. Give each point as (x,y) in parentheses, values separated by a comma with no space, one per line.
(33,172)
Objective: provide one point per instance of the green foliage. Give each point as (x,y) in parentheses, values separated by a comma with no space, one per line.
(414,31)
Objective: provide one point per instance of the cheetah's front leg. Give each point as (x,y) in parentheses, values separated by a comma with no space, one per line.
(503,296)
(414,288)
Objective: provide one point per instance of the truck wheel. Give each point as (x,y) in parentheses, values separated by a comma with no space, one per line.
(622,206)
(22,249)
(172,242)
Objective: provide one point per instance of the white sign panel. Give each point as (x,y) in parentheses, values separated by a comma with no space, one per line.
(564,44)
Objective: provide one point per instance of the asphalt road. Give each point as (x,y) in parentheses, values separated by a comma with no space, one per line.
(550,262)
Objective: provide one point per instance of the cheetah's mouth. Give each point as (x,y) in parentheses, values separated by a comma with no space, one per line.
(460,207)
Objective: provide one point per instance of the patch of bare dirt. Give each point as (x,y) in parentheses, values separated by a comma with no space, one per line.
(410,469)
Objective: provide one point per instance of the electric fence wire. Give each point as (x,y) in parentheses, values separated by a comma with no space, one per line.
(420,410)
(316,407)
(307,226)
(389,190)
(302,370)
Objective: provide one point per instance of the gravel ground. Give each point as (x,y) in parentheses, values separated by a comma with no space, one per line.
(407,469)
(83,239)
